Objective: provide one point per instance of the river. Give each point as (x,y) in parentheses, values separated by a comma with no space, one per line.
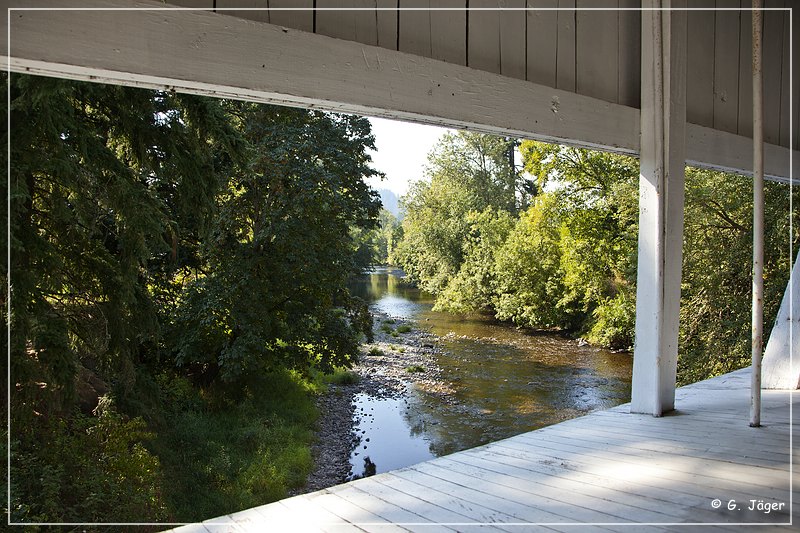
(506,381)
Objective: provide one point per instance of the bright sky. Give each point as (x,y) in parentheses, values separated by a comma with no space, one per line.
(402,152)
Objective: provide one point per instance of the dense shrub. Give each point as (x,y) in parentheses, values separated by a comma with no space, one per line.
(86,469)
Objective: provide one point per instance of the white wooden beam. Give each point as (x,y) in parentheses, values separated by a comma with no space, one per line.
(209,53)
(661,192)
(728,152)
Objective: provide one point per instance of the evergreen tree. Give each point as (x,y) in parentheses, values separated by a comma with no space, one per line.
(104,183)
(154,237)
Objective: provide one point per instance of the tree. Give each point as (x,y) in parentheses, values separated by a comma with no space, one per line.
(570,261)
(530,277)
(126,172)
(156,237)
(105,182)
(598,198)
(467,173)
(275,265)
(717,270)
(475,286)
(375,246)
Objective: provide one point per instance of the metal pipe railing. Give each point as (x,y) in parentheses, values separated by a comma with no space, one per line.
(758,222)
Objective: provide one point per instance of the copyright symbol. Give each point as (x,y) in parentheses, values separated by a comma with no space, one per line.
(716,504)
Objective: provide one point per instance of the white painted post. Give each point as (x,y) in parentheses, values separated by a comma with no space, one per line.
(661,192)
(758,223)
(778,372)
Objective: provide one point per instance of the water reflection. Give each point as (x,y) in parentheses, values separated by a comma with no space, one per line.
(503,389)
(386,292)
(388,441)
(506,381)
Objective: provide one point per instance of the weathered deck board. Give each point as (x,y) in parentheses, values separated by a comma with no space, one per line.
(468,511)
(665,504)
(609,468)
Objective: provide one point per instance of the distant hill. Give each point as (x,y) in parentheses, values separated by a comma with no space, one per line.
(390,202)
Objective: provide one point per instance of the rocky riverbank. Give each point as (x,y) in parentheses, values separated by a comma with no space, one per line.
(401,354)
(570,379)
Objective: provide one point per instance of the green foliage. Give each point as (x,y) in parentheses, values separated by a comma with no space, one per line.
(405,328)
(467,173)
(375,246)
(279,252)
(106,184)
(568,261)
(717,258)
(594,195)
(375,351)
(343,376)
(86,469)
(414,369)
(223,456)
(126,171)
(475,285)
(162,234)
(552,264)
(614,322)
(530,279)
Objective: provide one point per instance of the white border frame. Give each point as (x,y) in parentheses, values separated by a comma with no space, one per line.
(226,523)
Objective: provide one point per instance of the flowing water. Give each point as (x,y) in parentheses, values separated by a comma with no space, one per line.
(506,381)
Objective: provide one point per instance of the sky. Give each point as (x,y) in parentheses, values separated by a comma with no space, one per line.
(402,152)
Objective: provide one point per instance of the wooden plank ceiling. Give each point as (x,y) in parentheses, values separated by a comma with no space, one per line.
(570,76)
(592,53)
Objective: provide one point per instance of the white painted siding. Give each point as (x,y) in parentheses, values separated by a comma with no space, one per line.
(208,53)
(593,53)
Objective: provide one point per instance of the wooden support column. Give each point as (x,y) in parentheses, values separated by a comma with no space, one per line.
(661,191)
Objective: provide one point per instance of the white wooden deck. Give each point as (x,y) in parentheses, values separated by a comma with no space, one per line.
(610,468)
